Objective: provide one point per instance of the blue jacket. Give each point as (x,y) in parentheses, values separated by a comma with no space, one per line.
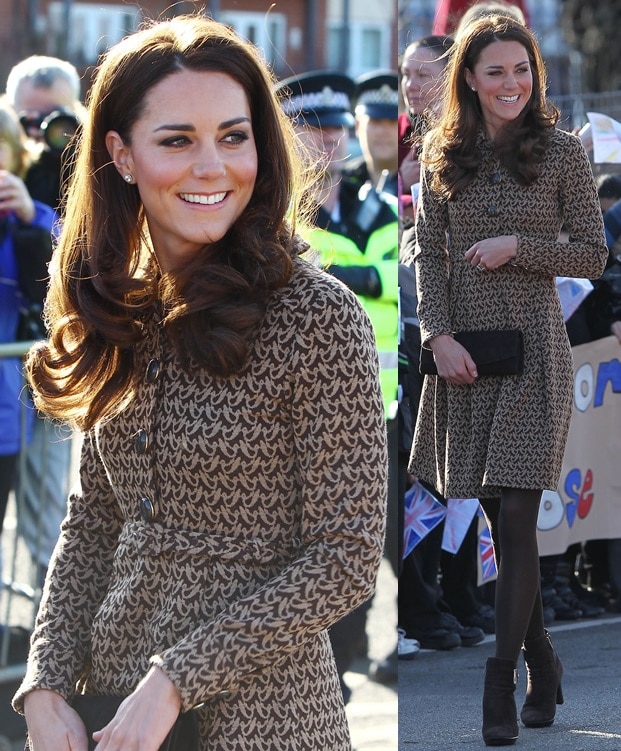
(612,224)
(11,300)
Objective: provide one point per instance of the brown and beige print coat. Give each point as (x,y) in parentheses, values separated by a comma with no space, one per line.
(222,525)
(470,440)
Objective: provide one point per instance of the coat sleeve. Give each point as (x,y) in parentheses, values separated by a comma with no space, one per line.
(431,261)
(585,254)
(76,583)
(340,447)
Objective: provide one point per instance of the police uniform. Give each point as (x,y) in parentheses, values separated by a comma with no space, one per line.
(377,96)
(360,246)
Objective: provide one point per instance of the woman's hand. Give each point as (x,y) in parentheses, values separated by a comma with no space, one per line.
(452,360)
(52,724)
(145,718)
(14,196)
(409,170)
(493,252)
(615,330)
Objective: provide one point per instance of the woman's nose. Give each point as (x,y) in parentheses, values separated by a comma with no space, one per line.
(209,163)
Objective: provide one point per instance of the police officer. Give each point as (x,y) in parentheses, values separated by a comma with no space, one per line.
(356,237)
(376,113)
(356,229)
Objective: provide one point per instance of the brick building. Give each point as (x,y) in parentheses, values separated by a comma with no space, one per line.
(294,36)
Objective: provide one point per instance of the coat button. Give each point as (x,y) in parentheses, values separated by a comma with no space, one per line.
(141,441)
(153,371)
(224,694)
(147,510)
(494,178)
(492,210)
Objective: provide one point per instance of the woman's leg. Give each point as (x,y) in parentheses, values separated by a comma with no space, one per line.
(513,524)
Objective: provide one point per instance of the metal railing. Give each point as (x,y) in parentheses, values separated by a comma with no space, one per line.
(30,526)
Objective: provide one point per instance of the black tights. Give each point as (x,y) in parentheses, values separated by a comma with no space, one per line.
(512,520)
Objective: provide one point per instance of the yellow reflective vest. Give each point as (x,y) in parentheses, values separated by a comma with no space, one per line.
(381,251)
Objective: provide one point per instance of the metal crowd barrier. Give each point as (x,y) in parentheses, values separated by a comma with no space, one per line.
(30,528)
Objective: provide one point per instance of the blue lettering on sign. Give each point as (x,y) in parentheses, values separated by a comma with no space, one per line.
(608,372)
(590,390)
(581,495)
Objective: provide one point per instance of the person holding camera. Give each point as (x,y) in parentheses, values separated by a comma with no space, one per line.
(20,217)
(45,94)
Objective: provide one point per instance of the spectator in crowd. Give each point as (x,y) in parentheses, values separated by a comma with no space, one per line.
(608,190)
(45,92)
(25,238)
(422,65)
(356,237)
(484,8)
(602,310)
(231,503)
(376,112)
(501,179)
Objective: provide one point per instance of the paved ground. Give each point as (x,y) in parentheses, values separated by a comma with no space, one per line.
(373,709)
(440,694)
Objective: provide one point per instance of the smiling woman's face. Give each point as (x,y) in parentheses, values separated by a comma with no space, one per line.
(193,158)
(503,81)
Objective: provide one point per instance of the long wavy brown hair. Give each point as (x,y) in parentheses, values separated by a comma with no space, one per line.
(450,148)
(103,277)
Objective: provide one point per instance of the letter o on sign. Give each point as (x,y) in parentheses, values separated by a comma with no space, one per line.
(583,387)
(551,510)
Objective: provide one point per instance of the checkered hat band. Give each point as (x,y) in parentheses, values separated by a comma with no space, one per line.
(317,100)
(385,95)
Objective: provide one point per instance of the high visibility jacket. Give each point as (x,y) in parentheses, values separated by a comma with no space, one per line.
(381,251)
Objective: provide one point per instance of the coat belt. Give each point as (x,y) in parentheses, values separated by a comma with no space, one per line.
(154,540)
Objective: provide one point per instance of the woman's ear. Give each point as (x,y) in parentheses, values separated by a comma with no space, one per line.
(119,153)
(469,79)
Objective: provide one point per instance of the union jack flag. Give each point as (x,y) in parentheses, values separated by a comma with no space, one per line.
(486,553)
(423,512)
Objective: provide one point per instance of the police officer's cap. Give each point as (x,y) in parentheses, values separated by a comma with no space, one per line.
(377,95)
(322,98)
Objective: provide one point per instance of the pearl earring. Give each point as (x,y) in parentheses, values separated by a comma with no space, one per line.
(473,89)
(128,178)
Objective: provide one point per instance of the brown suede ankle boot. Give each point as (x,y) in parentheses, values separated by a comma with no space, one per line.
(543,689)
(500,727)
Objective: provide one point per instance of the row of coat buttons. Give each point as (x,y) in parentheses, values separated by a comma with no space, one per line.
(141,443)
(494,178)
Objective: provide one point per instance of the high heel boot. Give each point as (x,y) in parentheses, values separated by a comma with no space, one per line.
(500,727)
(543,689)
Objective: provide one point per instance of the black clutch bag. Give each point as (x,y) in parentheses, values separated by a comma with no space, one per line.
(498,353)
(97,711)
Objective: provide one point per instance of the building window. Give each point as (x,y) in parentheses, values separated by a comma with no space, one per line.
(91,29)
(369,47)
(268,34)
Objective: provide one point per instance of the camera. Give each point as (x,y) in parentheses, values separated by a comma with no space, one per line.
(58,129)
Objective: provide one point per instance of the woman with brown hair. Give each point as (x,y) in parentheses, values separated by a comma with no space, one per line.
(499,181)
(232,481)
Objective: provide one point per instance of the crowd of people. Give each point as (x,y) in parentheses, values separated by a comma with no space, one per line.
(243,229)
(240,499)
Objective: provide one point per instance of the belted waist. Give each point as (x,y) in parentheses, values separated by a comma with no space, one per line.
(154,539)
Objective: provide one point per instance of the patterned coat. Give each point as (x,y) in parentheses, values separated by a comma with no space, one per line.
(470,440)
(222,524)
